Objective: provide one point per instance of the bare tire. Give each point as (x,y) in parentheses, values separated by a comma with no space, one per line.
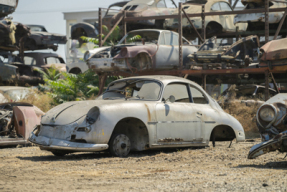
(120,145)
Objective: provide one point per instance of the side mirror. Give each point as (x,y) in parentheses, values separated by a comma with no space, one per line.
(171,99)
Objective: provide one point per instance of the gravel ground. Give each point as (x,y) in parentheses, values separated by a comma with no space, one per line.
(208,169)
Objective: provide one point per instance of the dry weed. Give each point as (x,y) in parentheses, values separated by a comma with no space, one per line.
(39,99)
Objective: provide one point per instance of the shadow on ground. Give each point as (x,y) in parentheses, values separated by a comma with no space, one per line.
(269,165)
(98,155)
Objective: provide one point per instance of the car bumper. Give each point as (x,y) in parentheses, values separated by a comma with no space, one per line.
(108,66)
(48,144)
(279,142)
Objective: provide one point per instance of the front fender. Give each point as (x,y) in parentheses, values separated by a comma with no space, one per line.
(110,115)
(131,52)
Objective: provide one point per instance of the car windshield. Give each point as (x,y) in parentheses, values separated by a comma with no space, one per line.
(135,89)
(141,37)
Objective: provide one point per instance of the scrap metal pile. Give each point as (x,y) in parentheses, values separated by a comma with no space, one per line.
(17,121)
(19,68)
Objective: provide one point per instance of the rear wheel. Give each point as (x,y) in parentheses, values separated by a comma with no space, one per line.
(141,62)
(120,145)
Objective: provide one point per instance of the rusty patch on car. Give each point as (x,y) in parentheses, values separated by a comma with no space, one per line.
(170,140)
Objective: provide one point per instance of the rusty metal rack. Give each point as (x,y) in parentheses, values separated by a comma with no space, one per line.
(266,72)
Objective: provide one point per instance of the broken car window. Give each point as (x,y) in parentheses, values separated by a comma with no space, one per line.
(179,91)
(215,7)
(135,89)
(146,37)
(225,7)
(197,96)
(161,4)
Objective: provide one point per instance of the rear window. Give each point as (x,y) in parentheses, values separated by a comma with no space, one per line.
(29,60)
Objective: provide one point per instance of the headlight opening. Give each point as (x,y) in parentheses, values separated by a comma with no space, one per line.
(266,115)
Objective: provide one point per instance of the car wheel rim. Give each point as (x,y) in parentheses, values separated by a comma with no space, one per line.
(121,145)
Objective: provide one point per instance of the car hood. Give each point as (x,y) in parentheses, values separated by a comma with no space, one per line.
(71,112)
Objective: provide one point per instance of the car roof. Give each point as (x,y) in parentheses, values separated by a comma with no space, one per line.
(163,78)
(156,30)
(41,54)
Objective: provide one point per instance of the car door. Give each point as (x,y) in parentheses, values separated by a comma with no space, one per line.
(202,109)
(167,54)
(177,122)
(228,19)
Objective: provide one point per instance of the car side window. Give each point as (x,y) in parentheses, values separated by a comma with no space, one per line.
(215,7)
(170,38)
(225,7)
(161,4)
(167,38)
(179,91)
(161,39)
(174,39)
(197,96)
(29,60)
(52,60)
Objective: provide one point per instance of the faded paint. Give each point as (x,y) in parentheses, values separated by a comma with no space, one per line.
(142,8)
(273,53)
(273,17)
(153,54)
(17,121)
(225,21)
(149,123)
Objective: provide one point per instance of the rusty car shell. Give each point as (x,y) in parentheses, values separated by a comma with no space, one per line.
(213,24)
(271,119)
(8,72)
(11,33)
(273,53)
(17,121)
(112,11)
(40,38)
(157,50)
(141,111)
(239,54)
(258,19)
(7,7)
(143,8)
(24,72)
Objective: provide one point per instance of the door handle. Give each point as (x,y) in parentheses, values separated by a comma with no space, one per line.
(198,113)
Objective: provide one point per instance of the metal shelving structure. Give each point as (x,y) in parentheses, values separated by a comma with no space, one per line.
(267,72)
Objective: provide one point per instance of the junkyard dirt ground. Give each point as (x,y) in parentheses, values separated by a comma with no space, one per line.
(209,169)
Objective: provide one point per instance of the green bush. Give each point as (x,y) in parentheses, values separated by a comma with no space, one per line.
(63,87)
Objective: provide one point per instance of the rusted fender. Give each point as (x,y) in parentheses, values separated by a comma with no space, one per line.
(133,51)
(274,50)
(25,120)
(78,29)
(268,146)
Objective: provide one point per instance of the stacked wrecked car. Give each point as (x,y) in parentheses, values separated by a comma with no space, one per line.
(19,68)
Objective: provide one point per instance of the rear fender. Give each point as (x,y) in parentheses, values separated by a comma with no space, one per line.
(83,29)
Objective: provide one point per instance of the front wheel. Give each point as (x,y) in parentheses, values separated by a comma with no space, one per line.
(120,145)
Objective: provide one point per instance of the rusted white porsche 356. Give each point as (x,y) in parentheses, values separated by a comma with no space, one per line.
(137,113)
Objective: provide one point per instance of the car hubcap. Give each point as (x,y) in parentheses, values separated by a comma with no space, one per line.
(121,145)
